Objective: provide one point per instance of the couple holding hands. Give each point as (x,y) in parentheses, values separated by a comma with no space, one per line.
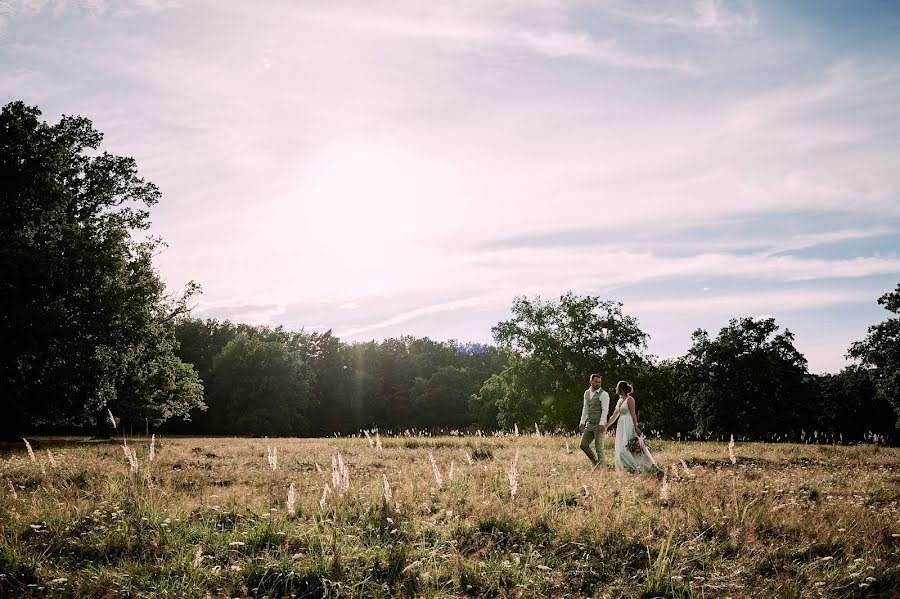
(630,453)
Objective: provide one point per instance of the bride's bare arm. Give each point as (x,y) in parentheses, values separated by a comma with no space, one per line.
(637,429)
(609,422)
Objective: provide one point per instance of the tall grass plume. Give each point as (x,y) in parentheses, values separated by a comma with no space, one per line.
(291,499)
(437,471)
(272,457)
(513,476)
(30,450)
(388,494)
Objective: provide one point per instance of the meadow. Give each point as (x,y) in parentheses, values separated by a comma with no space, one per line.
(513,516)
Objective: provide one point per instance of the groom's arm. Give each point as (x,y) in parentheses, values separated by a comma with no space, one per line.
(584,411)
(604,402)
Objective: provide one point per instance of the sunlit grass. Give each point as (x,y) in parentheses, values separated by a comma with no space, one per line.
(520,516)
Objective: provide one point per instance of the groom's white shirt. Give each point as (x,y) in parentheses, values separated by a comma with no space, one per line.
(604,402)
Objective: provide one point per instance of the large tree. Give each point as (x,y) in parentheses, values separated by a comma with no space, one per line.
(85,322)
(560,344)
(749,380)
(880,351)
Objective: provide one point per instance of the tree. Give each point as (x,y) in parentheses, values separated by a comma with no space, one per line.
(261,387)
(441,401)
(560,345)
(849,403)
(660,392)
(750,380)
(85,322)
(880,351)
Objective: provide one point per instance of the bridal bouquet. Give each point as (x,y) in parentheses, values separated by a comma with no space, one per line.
(634,445)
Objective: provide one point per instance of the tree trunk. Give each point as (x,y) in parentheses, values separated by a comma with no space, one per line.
(104,427)
(13,419)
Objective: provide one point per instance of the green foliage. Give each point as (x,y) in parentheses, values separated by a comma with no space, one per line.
(664,397)
(444,396)
(260,388)
(880,351)
(559,345)
(748,380)
(398,384)
(849,402)
(86,324)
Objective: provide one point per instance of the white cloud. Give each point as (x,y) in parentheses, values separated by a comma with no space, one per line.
(705,16)
(751,303)
(470,31)
(14,9)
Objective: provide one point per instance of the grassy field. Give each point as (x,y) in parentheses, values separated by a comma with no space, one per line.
(211,517)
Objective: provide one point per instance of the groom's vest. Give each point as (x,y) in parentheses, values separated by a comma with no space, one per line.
(595,407)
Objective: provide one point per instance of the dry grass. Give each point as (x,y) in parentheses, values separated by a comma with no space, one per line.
(209,517)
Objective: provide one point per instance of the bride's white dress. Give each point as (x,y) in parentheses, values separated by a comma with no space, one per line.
(623,459)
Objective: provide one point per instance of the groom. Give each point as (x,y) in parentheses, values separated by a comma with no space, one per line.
(593,419)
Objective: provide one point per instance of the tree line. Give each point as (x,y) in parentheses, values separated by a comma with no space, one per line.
(89,329)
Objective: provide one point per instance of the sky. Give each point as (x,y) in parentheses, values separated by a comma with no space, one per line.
(389,168)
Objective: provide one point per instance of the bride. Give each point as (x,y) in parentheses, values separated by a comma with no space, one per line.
(624,459)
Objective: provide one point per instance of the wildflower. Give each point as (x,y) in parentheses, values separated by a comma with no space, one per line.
(513,476)
(291,499)
(437,473)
